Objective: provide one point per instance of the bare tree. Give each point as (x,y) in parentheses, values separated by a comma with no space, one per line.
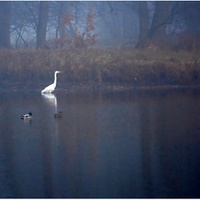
(42,24)
(161,19)
(5,16)
(144,22)
(157,31)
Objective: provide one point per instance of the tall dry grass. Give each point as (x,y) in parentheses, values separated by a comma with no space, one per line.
(99,67)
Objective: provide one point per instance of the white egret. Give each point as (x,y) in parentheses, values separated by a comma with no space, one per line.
(51,87)
(27,116)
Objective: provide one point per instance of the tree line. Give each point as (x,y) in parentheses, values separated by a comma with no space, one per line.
(81,24)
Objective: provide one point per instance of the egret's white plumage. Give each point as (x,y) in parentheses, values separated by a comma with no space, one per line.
(51,87)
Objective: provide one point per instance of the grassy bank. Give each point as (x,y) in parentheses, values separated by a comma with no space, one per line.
(98,68)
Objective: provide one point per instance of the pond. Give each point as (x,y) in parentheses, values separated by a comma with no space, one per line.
(131,143)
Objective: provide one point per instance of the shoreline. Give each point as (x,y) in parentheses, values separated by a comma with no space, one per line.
(107,88)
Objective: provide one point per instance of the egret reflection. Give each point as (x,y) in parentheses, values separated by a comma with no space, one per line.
(51,100)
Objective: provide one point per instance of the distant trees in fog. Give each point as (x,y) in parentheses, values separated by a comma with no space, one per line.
(42,24)
(126,24)
(5,16)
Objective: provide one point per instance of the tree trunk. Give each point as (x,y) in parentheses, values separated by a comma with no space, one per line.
(42,24)
(143,22)
(127,23)
(61,27)
(156,34)
(5,13)
(160,19)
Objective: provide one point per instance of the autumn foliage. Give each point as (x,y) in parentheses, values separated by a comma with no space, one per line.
(80,40)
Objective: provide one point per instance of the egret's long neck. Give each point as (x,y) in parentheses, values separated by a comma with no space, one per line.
(55,79)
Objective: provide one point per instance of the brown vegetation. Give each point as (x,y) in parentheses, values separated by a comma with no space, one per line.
(78,39)
(98,68)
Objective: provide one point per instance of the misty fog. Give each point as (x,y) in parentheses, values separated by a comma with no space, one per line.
(125,24)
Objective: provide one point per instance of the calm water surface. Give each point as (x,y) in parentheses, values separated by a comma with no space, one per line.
(114,144)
